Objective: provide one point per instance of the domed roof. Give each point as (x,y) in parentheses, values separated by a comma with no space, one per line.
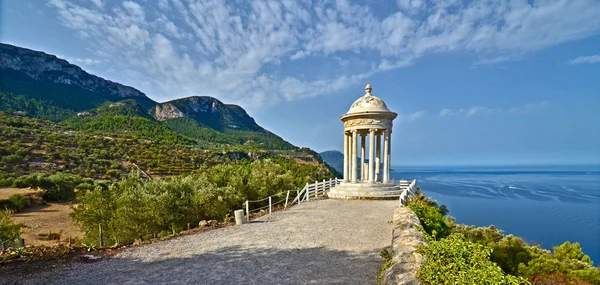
(368,103)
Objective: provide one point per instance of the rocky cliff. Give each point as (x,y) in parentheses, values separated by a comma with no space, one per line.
(42,66)
(207,111)
(43,76)
(334,159)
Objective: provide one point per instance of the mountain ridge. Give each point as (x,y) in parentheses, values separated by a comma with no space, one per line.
(22,69)
(334,158)
(43,86)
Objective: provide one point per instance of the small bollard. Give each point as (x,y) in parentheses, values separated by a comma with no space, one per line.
(239,217)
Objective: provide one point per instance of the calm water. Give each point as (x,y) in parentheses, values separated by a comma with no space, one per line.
(544,205)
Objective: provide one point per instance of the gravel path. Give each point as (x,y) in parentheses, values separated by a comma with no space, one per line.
(321,242)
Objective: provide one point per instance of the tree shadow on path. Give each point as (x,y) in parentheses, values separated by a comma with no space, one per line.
(229,265)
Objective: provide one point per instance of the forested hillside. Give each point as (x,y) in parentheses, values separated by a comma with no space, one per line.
(36,146)
(42,86)
(76,137)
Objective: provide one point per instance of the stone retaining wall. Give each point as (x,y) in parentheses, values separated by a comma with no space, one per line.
(406,239)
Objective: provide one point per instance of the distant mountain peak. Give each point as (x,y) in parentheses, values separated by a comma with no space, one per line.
(334,158)
(208,111)
(42,66)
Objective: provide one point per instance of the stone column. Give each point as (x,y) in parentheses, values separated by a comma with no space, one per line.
(378,157)
(362,157)
(354,146)
(345,157)
(372,155)
(389,154)
(386,147)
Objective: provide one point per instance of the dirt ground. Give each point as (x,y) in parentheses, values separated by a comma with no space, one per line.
(42,219)
(7,192)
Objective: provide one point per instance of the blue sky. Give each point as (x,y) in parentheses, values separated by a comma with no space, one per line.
(474,82)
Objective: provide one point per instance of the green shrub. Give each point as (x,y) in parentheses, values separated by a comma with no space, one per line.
(482,235)
(19,201)
(567,259)
(9,230)
(509,252)
(135,208)
(453,260)
(59,186)
(431,216)
(6,182)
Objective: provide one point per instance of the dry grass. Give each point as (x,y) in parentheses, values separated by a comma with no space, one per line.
(7,192)
(47,218)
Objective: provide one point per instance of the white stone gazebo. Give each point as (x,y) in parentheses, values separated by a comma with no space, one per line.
(367,117)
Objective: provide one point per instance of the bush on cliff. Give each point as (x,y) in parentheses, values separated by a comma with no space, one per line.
(453,260)
(469,250)
(431,216)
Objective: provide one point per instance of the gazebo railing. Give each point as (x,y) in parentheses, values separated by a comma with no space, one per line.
(407,193)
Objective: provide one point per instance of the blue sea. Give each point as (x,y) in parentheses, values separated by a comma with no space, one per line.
(545,205)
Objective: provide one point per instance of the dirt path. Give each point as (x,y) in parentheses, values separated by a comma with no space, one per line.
(321,242)
(47,218)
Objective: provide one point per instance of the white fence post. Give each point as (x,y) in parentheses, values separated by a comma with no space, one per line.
(307,193)
(316,188)
(286,199)
(247,211)
(269,205)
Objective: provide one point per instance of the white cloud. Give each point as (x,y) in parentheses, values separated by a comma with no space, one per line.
(135,10)
(81,61)
(416,115)
(298,55)
(98,3)
(586,59)
(236,53)
(482,110)
(447,113)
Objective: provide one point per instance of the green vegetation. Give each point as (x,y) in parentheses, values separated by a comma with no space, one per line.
(29,146)
(259,139)
(126,118)
(453,260)
(460,254)
(137,209)
(387,256)
(57,187)
(431,216)
(32,107)
(19,201)
(9,230)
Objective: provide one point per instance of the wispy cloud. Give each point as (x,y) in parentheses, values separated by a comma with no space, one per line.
(481,110)
(586,59)
(81,61)
(237,53)
(409,117)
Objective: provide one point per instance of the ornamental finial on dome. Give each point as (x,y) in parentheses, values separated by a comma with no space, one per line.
(368,90)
